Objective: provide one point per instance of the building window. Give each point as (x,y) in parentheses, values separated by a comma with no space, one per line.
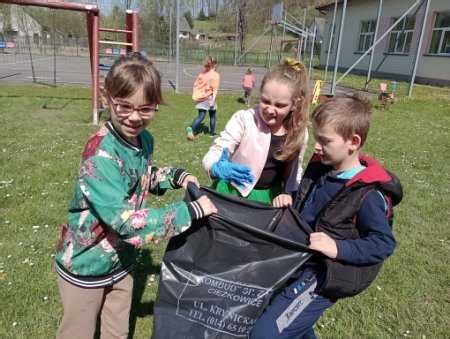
(366,35)
(440,40)
(401,36)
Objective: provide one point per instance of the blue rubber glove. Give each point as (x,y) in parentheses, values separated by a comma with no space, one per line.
(226,170)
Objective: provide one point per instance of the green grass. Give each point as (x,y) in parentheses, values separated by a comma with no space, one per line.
(206,26)
(354,81)
(39,155)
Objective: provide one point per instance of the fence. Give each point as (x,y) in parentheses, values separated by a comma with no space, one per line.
(39,55)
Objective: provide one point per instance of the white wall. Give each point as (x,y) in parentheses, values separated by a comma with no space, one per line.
(433,67)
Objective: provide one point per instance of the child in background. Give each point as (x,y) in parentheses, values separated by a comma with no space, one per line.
(347,199)
(259,154)
(107,218)
(204,94)
(248,82)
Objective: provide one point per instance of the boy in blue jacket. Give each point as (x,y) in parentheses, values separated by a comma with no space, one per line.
(347,199)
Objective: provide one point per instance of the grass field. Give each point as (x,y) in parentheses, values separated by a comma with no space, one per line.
(42,135)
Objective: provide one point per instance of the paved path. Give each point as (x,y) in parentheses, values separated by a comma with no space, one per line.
(76,70)
(16,68)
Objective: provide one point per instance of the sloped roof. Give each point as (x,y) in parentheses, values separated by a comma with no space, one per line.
(326,5)
(184,25)
(23,23)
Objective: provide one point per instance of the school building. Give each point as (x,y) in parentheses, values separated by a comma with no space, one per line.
(394,55)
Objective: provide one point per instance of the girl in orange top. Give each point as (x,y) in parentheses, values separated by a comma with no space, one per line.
(204,95)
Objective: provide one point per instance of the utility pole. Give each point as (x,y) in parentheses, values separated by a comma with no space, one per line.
(284,35)
(338,51)
(54,46)
(377,25)
(331,40)
(236,37)
(269,53)
(304,43)
(177,67)
(311,56)
(170,31)
(419,47)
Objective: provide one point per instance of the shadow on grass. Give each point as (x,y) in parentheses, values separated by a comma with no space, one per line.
(202,129)
(54,105)
(45,97)
(144,268)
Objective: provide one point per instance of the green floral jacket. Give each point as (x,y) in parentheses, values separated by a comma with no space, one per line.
(107,218)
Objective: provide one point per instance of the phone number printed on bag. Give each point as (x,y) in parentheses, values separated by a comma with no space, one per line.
(222,305)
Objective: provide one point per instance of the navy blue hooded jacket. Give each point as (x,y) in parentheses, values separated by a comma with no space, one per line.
(357,214)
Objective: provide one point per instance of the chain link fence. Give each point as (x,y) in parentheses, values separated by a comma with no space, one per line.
(34,48)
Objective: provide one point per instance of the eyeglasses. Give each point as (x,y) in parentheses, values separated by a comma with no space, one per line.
(124,109)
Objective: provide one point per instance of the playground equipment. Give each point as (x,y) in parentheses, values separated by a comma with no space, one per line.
(131,34)
(282,19)
(316,92)
(130,44)
(93,30)
(387,95)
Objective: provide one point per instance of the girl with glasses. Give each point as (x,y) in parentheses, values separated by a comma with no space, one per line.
(108,220)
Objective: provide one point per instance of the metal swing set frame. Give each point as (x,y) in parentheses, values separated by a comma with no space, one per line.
(93,30)
(377,39)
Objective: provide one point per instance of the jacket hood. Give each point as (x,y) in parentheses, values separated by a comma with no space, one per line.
(375,173)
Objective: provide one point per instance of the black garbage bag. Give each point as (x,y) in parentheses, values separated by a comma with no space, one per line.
(218,276)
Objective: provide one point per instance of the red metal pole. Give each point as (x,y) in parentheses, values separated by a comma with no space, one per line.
(135,32)
(129,28)
(89,33)
(95,90)
(93,29)
(132,26)
(92,15)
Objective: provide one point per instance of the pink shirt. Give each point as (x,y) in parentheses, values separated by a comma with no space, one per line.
(248,81)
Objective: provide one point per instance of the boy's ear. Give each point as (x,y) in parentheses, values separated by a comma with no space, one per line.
(355,142)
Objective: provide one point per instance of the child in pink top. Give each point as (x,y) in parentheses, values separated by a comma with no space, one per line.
(248,82)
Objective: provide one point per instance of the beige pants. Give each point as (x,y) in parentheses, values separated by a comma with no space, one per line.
(83,305)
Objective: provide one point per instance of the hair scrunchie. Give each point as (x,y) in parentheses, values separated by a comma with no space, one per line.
(294,64)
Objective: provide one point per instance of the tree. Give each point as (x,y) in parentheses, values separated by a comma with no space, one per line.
(201,15)
(242,24)
(188,16)
(152,22)
(67,23)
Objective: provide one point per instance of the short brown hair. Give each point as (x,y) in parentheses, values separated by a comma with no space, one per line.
(348,115)
(129,73)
